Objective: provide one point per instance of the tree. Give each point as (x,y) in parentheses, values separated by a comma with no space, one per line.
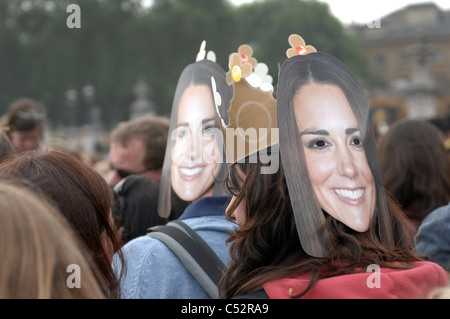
(120,41)
(268,24)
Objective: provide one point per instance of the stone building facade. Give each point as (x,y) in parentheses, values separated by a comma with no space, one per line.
(409,51)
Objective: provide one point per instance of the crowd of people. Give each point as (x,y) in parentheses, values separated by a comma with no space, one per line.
(286,187)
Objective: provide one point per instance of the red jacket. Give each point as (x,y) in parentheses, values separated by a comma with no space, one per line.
(384,283)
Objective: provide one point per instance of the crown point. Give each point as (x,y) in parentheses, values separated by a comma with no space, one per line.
(201,53)
(298,46)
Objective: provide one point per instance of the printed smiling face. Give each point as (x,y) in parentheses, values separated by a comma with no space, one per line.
(195,154)
(336,161)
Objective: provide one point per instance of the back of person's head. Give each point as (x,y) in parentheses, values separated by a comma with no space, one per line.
(39,249)
(24,124)
(137,199)
(6,147)
(415,166)
(81,194)
(269,227)
(153,129)
(24,114)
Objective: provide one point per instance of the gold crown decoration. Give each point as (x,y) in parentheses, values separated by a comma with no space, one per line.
(298,46)
(241,64)
(252,124)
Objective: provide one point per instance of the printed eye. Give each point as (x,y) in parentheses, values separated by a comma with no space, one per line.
(318,144)
(356,140)
(210,129)
(181,133)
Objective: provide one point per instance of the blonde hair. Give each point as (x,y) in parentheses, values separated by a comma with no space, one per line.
(37,246)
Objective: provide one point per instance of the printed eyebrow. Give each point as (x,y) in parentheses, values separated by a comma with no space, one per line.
(318,132)
(204,121)
(209,120)
(348,131)
(182,124)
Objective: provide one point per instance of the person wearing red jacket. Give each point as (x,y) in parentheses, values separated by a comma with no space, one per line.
(322,226)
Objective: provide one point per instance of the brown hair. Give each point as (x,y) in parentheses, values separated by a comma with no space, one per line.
(81,194)
(37,246)
(6,147)
(154,131)
(24,114)
(267,246)
(415,166)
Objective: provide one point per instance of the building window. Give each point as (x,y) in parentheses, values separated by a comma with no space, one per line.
(439,57)
(403,59)
(380,61)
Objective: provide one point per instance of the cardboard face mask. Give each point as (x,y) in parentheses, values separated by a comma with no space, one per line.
(325,132)
(337,167)
(193,164)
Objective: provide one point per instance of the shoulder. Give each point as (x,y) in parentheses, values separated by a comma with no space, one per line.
(257,294)
(141,247)
(371,283)
(147,261)
(153,271)
(214,230)
(433,236)
(218,223)
(439,214)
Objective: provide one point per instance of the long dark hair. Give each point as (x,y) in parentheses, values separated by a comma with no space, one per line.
(415,166)
(267,246)
(283,232)
(268,239)
(81,194)
(137,199)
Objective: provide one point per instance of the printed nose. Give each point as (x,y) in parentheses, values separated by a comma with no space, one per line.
(195,149)
(346,164)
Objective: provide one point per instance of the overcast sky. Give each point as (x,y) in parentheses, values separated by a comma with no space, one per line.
(359,11)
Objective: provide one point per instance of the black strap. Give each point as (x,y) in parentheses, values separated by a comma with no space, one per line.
(195,254)
(200,241)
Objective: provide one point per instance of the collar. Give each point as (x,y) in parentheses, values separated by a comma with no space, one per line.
(206,206)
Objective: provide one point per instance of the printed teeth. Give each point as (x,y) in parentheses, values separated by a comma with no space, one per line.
(350,194)
(191,171)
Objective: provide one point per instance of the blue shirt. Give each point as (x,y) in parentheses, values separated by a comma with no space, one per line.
(154,272)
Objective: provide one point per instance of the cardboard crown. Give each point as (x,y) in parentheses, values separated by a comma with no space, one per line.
(250,124)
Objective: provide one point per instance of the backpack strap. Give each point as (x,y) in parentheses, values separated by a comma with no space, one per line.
(200,241)
(195,254)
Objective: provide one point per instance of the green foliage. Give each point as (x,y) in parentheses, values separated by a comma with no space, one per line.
(120,41)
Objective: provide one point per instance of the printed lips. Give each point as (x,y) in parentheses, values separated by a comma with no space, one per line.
(190,172)
(351,194)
